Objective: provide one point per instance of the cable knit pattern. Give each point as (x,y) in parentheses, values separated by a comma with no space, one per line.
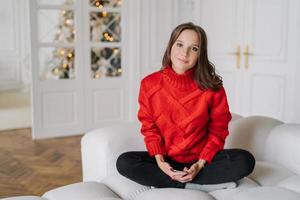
(180,120)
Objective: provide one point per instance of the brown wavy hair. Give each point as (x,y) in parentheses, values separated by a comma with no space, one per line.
(204,72)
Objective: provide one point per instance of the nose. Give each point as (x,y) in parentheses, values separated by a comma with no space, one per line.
(184,52)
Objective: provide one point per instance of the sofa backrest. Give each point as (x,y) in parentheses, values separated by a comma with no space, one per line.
(283,146)
(235,117)
(250,133)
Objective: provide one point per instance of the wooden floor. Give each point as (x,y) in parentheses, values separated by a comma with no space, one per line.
(32,167)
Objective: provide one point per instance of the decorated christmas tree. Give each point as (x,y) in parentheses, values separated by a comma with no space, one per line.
(61,63)
(104,28)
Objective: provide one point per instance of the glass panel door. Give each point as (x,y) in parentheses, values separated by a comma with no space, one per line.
(56,38)
(105,38)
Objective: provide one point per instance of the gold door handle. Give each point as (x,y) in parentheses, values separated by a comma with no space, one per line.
(238,56)
(247,54)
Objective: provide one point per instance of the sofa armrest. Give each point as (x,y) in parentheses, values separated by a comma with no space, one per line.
(100,149)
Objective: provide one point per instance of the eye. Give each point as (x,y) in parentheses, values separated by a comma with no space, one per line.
(195,49)
(178,44)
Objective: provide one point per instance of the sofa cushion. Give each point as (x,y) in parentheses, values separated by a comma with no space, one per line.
(266,192)
(291,183)
(269,174)
(282,146)
(243,184)
(80,191)
(124,187)
(24,198)
(173,194)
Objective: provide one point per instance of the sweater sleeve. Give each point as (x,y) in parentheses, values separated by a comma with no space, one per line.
(152,135)
(217,125)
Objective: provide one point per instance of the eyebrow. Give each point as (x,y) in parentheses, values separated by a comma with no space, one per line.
(183,42)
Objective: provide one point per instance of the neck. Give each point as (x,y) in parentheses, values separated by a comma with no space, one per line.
(179,72)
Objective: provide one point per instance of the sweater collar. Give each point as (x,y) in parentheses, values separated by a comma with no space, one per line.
(185,80)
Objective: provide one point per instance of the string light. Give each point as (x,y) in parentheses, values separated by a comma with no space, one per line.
(64,66)
(56,71)
(62,52)
(98,74)
(116,51)
(98,4)
(68,22)
(104,14)
(108,37)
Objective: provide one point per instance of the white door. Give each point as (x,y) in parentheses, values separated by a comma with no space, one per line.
(73,89)
(249,44)
(105,70)
(223,24)
(57,93)
(269,32)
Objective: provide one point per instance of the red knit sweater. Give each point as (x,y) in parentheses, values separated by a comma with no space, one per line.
(180,120)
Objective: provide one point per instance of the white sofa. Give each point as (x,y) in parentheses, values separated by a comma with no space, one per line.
(275,145)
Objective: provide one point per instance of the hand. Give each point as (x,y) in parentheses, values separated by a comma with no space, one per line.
(166,167)
(191,172)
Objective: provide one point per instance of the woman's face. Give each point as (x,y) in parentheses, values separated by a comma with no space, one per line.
(185,51)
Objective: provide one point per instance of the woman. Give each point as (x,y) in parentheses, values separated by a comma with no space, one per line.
(184,115)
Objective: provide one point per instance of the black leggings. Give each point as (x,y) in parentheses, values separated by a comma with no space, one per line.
(227,165)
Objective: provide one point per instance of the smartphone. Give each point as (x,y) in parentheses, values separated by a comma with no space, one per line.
(179,172)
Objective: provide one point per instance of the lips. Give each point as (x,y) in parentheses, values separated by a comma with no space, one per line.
(183,60)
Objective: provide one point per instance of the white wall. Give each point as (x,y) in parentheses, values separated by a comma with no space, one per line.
(188,10)
(151,25)
(14,49)
(296,79)
(15,55)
